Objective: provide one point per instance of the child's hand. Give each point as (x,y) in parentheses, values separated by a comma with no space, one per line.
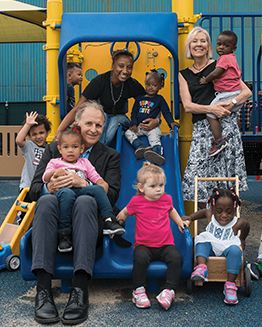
(121,217)
(181,225)
(60,172)
(134,128)
(31,118)
(186,220)
(203,80)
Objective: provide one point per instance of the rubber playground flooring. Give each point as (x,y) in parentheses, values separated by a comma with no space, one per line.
(110,300)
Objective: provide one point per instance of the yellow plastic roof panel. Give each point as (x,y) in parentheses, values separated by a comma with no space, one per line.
(21,22)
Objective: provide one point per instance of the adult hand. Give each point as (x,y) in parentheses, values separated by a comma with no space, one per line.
(70,179)
(228,105)
(149,123)
(220,109)
(60,172)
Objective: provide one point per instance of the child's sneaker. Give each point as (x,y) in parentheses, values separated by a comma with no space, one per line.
(230,292)
(140,299)
(217,146)
(139,152)
(165,298)
(155,155)
(112,227)
(65,243)
(200,273)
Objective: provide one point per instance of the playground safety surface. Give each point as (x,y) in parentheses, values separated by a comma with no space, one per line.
(110,300)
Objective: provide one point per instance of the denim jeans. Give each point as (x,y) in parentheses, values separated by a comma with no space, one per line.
(66,199)
(111,126)
(233,255)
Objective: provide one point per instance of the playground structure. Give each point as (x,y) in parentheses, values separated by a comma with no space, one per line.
(164,31)
(116,262)
(16,223)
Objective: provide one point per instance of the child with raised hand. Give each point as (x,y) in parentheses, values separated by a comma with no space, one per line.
(226,78)
(153,235)
(220,239)
(150,105)
(70,146)
(31,139)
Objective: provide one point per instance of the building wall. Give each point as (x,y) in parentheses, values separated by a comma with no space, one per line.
(22,66)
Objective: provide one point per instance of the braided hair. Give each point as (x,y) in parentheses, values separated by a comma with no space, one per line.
(228,193)
(159,77)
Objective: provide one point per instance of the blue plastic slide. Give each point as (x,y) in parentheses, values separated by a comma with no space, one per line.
(116,261)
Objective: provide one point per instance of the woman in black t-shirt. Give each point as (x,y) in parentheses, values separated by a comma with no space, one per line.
(196,98)
(113,89)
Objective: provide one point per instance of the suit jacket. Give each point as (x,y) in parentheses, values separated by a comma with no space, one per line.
(106,161)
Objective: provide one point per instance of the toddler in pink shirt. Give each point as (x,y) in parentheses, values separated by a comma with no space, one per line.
(71,147)
(226,78)
(153,235)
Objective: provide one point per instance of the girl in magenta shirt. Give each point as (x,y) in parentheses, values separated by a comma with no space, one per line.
(153,235)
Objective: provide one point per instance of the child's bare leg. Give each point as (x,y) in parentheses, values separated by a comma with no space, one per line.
(231,277)
(215,127)
(201,260)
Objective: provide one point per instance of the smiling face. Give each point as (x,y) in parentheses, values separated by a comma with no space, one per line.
(199,46)
(91,124)
(225,45)
(223,210)
(153,188)
(70,147)
(38,135)
(122,69)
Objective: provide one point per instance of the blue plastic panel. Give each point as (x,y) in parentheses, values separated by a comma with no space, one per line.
(109,27)
(115,261)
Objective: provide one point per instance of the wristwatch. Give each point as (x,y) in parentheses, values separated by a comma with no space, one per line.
(234,101)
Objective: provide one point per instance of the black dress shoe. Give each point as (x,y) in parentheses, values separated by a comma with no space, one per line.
(45,309)
(76,310)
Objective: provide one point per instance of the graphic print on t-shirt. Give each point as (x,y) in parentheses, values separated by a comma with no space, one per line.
(145,106)
(38,155)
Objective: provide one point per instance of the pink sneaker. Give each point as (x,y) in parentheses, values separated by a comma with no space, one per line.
(140,299)
(200,273)
(230,292)
(165,298)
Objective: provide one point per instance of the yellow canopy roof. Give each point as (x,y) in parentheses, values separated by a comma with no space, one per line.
(21,22)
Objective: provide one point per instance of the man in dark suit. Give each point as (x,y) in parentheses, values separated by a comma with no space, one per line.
(86,226)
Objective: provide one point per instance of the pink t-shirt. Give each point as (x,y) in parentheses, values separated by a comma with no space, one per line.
(229,81)
(82,168)
(152,220)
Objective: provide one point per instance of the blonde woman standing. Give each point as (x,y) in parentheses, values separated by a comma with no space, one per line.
(196,99)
